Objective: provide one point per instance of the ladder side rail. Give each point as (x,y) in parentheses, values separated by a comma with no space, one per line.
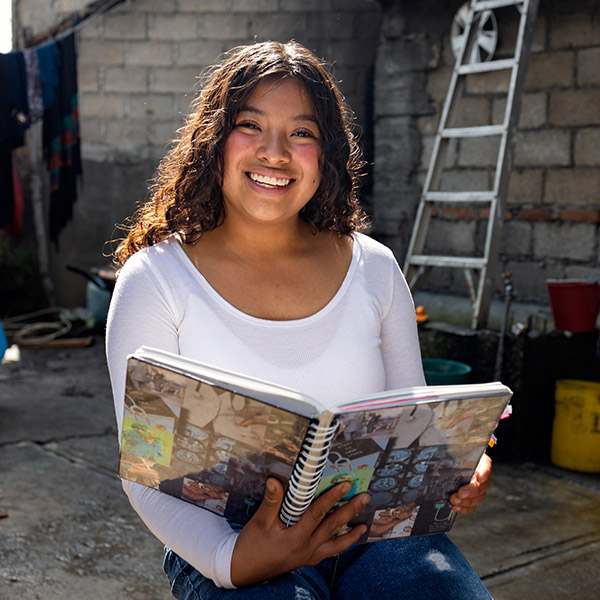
(496,221)
(449,107)
(417,276)
(423,215)
(436,164)
(492,238)
(485,283)
(513,100)
(417,237)
(471,286)
(465,50)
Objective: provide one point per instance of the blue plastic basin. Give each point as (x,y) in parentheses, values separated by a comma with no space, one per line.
(439,371)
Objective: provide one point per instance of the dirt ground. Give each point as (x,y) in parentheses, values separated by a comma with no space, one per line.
(70,534)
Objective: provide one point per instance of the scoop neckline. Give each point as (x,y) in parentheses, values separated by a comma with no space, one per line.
(184,258)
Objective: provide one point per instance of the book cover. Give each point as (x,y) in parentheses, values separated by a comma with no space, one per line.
(213,438)
(205,444)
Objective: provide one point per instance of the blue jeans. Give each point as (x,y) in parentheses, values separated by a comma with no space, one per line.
(428,567)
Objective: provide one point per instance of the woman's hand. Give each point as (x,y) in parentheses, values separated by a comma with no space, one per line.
(466,499)
(266,548)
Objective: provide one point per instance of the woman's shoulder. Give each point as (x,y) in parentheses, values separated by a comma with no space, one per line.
(164,250)
(148,262)
(371,249)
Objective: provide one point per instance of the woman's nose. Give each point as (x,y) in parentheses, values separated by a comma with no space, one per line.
(274,148)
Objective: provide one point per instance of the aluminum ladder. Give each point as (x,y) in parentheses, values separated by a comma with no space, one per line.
(417,265)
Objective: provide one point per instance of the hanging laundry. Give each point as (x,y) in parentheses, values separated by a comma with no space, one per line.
(14,109)
(49,64)
(7,203)
(16,227)
(61,142)
(14,120)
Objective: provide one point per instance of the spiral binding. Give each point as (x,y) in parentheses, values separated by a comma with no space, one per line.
(307,472)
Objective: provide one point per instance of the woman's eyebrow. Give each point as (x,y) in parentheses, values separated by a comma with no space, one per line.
(260,113)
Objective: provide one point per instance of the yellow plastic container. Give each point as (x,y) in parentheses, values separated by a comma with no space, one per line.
(576,429)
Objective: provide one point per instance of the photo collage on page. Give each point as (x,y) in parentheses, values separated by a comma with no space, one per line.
(409,460)
(209,446)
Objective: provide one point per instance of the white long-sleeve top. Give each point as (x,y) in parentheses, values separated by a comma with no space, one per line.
(364,341)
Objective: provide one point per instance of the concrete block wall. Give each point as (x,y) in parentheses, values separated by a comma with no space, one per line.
(139,64)
(552,217)
(138,71)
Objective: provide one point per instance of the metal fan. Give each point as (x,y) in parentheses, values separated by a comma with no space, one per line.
(486,37)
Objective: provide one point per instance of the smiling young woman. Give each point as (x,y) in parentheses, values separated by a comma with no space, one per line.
(264,259)
(249,255)
(271,158)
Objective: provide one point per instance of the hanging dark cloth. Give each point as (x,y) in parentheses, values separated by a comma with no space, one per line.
(48,63)
(7,209)
(61,140)
(14,120)
(16,227)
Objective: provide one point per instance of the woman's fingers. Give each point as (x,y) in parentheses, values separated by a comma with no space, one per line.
(326,539)
(320,507)
(334,546)
(268,511)
(266,548)
(332,523)
(319,510)
(466,499)
(484,469)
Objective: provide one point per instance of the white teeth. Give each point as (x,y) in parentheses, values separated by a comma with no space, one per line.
(269,181)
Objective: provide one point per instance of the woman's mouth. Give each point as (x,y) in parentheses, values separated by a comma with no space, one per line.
(269,182)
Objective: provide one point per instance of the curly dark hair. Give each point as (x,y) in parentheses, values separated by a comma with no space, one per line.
(186,196)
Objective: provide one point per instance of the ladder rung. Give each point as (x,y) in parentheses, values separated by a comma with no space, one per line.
(482,196)
(471,132)
(492,4)
(486,67)
(459,262)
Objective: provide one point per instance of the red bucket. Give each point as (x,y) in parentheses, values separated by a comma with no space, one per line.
(575,304)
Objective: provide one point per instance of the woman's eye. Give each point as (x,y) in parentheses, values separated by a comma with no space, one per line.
(305,134)
(247,125)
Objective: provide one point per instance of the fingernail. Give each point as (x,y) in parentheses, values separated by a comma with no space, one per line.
(345,487)
(364,500)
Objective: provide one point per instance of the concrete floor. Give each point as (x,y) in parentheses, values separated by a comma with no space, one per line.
(70,534)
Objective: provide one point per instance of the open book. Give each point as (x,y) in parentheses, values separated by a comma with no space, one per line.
(212,437)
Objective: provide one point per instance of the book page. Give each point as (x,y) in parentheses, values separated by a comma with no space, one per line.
(410,459)
(207,445)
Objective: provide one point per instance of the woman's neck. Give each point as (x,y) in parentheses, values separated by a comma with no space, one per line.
(276,275)
(261,241)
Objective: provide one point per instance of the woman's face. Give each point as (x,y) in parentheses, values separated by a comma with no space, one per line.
(271,157)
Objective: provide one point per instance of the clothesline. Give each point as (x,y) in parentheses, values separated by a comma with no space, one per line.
(74,23)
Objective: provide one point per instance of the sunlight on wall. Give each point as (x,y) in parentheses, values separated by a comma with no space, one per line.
(5,26)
